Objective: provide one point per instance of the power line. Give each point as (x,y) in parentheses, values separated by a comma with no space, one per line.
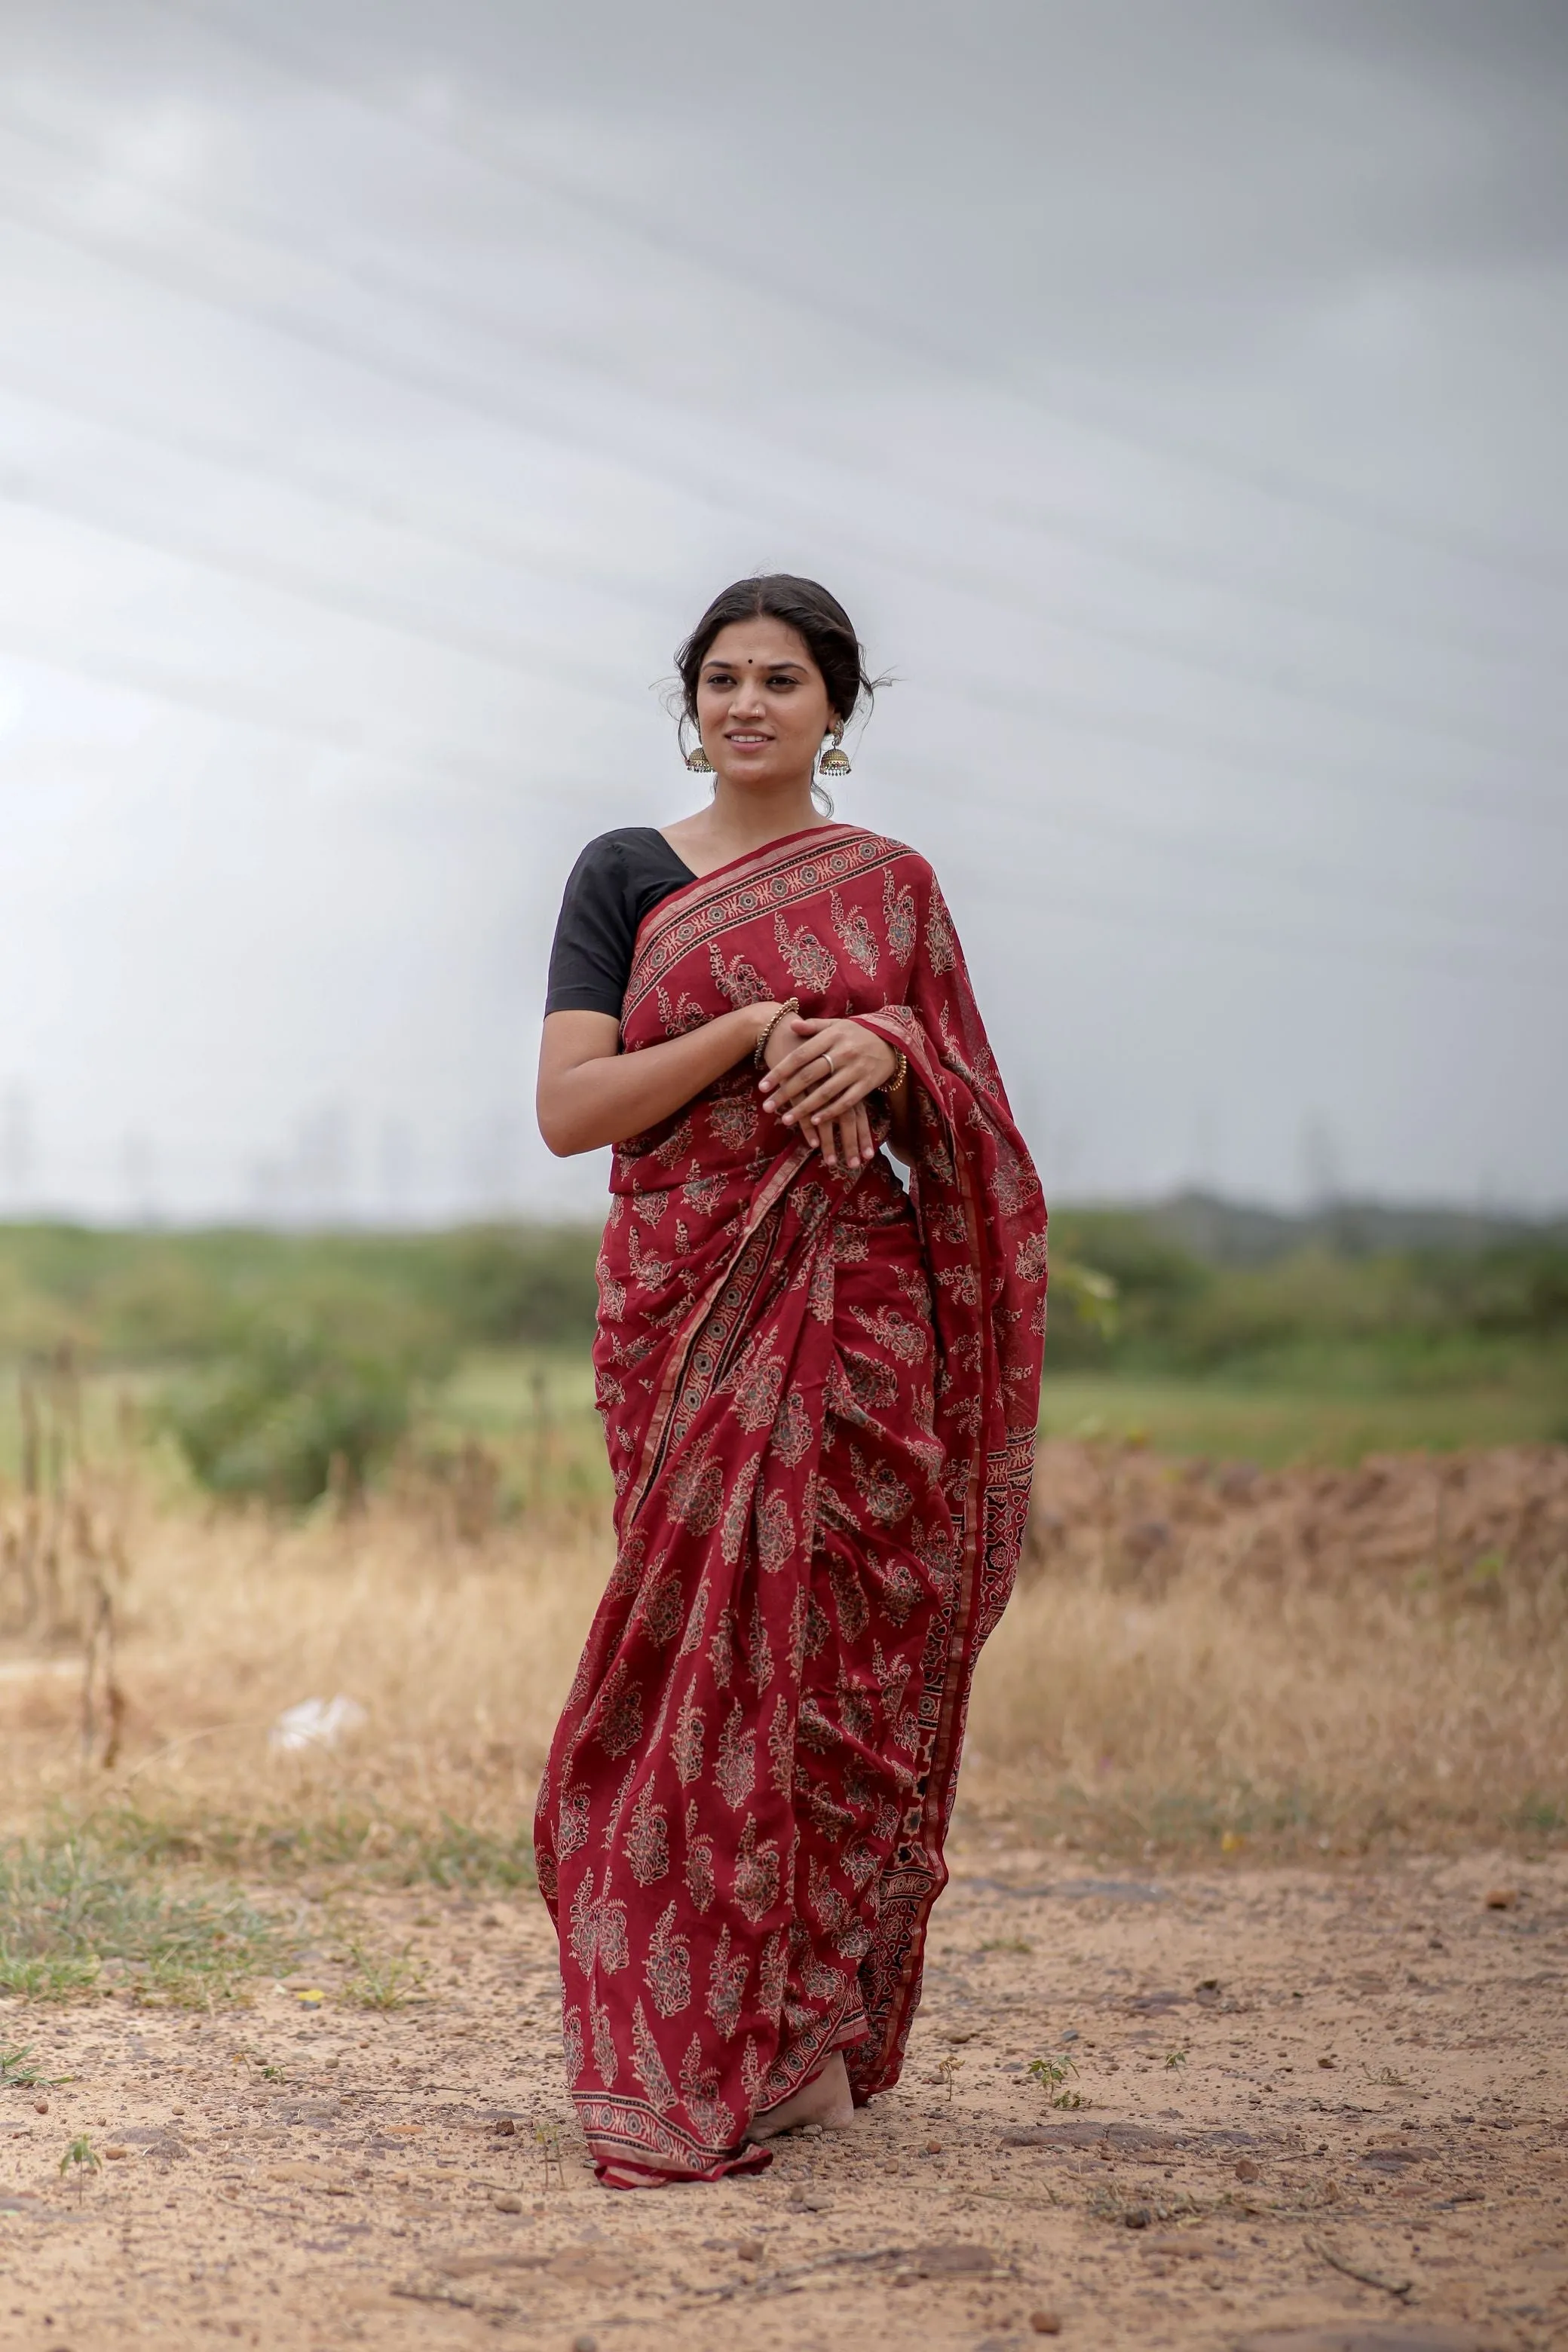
(1151,920)
(444,762)
(1266,477)
(534,660)
(1082,713)
(266,716)
(529,659)
(1016,512)
(1114,722)
(1077,818)
(1276,680)
(370,607)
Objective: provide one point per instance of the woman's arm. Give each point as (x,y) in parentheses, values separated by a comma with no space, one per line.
(591,1094)
(902,1132)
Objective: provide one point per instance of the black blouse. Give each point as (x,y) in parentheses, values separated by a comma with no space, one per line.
(613,886)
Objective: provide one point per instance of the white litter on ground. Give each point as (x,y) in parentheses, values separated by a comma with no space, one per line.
(314,1723)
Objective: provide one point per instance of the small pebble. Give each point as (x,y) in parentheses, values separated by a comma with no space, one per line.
(507,2203)
(750,2250)
(1137,2217)
(40,2106)
(114,2154)
(1325,2061)
(584,2343)
(1502,1899)
(933,2147)
(506,2128)
(1244,2169)
(1045,2323)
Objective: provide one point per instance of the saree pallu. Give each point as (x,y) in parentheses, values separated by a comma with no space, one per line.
(819,1394)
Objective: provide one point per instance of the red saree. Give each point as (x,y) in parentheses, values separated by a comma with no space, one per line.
(820,1394)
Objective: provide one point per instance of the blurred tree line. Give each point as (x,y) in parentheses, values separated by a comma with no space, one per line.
(1174,1310)
(294,1362)
(297,1360)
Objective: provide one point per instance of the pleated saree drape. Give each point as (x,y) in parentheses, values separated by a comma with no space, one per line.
(820,1394)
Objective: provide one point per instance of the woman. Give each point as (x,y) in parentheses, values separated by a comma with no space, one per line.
(819,1393)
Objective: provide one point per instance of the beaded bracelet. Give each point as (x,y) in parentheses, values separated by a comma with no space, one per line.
(900,1075)
(759,1051)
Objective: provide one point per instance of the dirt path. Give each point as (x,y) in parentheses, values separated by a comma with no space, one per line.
(1288,2079)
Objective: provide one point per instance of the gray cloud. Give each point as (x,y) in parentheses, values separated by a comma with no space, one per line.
(1173,396)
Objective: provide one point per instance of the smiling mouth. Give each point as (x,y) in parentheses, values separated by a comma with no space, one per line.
(747,739)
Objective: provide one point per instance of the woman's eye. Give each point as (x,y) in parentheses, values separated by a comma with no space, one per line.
(780,685)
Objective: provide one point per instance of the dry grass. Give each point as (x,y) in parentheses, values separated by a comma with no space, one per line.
(1183,1670)
(458,1653)
(1314,1656)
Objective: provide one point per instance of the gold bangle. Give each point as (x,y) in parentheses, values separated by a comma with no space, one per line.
(759,1050)
(900,1075)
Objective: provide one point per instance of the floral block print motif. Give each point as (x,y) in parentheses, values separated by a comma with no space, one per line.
(819,1393)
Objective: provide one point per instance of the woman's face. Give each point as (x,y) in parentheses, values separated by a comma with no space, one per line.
(761,705)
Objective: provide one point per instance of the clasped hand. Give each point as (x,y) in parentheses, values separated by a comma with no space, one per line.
(819,1084)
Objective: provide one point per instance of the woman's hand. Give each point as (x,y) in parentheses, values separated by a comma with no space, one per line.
(819,1075)
(591,1094)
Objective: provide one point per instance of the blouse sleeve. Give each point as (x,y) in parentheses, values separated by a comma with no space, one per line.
(591,960)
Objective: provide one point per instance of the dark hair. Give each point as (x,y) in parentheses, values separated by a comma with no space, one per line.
(819,619)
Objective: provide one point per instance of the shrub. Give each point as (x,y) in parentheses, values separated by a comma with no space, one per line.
(305,1399)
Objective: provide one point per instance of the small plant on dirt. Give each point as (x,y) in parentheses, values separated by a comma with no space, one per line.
(264,2066)
(383,1983)
(1388,2077)
(1176,2060)
(1052,2075)
(947,2072)
(1138,2210)
(82,2159)
(547,2139)
(18,2073)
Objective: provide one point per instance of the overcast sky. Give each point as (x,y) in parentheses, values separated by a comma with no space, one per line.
(1178,399)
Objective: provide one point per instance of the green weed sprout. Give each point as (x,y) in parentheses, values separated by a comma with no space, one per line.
(17,2071)
(1052,2075)
(83,2158)
(383,1984)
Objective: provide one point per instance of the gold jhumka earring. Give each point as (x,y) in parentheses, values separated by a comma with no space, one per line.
(834,763)
(698,760)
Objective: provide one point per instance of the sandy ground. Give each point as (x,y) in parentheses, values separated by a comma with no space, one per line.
(1288,2079)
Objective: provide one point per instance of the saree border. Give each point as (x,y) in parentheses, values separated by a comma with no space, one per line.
(912,1881)
(760,882)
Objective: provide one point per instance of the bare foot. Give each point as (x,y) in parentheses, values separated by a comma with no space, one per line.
(824,2100)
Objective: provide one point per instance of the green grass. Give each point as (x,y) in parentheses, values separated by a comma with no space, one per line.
(1118,1825)
(382,1981)
(449,1853)
(1337,1419)
(533,1410)
(72,1909)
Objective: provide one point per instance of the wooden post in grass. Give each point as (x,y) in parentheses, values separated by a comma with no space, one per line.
(540,1385)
